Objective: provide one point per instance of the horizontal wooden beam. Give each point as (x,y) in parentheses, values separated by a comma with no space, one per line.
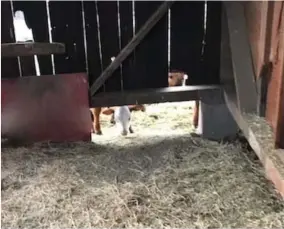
(128,49)
(159,95)
(31,48)
(260,137)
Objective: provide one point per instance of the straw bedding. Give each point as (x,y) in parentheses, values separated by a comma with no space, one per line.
(160,176)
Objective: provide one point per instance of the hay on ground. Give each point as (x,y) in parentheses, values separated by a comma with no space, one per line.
(158,177)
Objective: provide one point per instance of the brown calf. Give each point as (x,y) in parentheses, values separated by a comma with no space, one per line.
(178,78)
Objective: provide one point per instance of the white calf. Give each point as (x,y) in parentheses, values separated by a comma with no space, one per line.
(122,117)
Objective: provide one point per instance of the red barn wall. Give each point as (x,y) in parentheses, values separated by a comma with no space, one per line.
(265,22)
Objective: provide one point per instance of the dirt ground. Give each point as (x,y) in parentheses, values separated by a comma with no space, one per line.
(160,176)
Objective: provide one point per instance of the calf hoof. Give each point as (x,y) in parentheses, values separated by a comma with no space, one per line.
(195,123)
(98,132)
(112,122)
(195,135)
(131,130)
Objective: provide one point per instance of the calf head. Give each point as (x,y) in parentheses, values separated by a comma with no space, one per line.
(122,117)
(177,78)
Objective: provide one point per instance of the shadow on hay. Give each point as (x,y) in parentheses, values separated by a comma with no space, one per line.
(93,162)
(114,164)
(111,163)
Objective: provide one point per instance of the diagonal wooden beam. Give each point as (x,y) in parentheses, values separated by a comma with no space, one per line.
(128,49)
(241,57)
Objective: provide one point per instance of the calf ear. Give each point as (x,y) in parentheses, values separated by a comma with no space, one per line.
(108,111)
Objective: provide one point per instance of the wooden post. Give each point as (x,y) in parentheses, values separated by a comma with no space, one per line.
(241,57)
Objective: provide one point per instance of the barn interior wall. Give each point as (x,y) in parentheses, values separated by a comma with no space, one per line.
(93,32)
(275,98)
(265,31)
(256,17)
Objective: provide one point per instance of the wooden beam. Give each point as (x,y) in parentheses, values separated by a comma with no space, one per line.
(167,94)
(128,49)
(31,48)
(255,129)
(275,92)
(226,65)
(260,137)
(241,57)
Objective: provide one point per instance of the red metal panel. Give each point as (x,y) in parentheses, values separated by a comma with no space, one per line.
(46,108)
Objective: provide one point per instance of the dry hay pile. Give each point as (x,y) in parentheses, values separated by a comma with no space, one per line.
(158,177)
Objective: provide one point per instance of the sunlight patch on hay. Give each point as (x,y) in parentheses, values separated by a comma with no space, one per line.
(158,177)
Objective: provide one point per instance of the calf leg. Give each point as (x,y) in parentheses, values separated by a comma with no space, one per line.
(131,130)
(92,118)
(96,124)
(112,121)
(195,114)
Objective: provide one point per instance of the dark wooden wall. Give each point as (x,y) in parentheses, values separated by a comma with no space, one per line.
(187,22)
(91,41)
(9,66)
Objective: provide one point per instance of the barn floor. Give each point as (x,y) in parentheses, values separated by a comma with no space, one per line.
(158,177)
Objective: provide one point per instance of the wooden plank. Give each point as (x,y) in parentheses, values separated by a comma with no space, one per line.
(210,68)
(256,14)
(28,67)
(156,95)
(36,19)
(262,86)
(280,119)
(226,65)
(126,30)
(92,39)
(260,137)
(256,131)
(241,57)
(131,46)
(108,17)
(264,57)
(151,56)
(9,66)
(186,42)
(30,49)
(274,111)
(258,18)
(67,28)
